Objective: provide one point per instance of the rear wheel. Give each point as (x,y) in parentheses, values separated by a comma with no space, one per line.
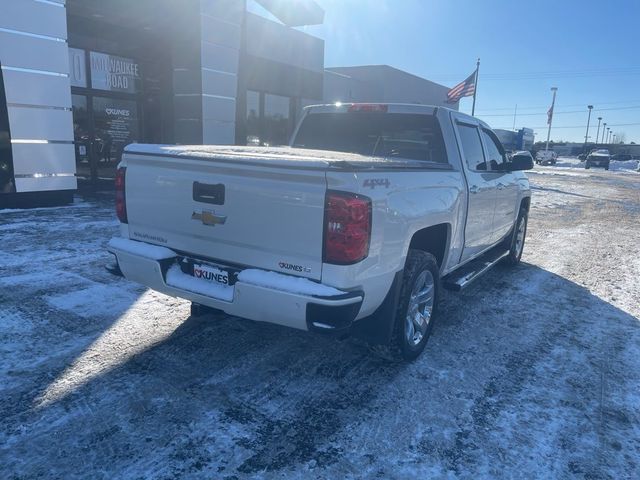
(416,308)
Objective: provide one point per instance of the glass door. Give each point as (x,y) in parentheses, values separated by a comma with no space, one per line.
(116,125)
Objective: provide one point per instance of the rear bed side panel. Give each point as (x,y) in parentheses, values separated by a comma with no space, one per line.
(410,201)
(273,217)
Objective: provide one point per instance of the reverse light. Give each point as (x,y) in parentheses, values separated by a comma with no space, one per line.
(347,229)
(121,199)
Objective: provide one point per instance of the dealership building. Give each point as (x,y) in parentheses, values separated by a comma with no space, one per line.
(81,79)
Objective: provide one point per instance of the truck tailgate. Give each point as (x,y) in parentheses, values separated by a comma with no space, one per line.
(239,213)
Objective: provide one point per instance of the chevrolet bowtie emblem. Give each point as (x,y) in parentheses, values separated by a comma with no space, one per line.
(209,218)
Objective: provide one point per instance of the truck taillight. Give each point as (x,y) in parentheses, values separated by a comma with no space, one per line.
(121,199)
(347,229)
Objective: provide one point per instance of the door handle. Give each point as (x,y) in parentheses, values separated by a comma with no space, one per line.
(474,189)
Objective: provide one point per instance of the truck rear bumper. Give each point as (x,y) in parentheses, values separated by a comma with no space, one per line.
(255,302)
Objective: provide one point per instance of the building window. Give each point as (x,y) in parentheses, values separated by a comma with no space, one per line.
(253,118)
(6,156)
(304,102)
(277,127)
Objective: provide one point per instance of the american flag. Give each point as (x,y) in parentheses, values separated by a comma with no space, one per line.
(466,88)
(550,115)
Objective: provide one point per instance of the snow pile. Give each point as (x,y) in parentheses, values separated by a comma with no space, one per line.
(624,165)
(141,249)
(286,283)
(176,278)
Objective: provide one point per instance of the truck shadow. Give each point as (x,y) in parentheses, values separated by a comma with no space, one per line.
(221,394)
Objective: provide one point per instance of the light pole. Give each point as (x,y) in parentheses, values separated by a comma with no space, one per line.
(598,132)
(550,115)
(604,125)
(608,134)
(586,135)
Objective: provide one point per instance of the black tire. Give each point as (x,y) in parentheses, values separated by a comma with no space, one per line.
(515,250)
(587,165)
(606,167)
(400,348)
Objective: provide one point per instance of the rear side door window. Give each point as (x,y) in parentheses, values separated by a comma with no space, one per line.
(496,157)
(472,147)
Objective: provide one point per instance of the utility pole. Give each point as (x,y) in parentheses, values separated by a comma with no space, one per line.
(586,135)
(604,125)
(598,132)
(550,114)
(514,117)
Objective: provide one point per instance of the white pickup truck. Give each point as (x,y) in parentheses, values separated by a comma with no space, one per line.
(352,229)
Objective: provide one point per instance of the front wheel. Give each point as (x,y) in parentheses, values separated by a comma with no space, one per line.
(516,247)
(587,165)
(415,313)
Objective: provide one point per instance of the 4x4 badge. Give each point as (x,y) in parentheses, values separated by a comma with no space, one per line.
(209,218)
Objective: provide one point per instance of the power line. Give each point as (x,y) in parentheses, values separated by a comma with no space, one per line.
(576,126)
(564,106)
(557,113)
(552,74)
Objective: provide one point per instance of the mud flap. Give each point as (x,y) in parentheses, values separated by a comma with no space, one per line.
(378,327)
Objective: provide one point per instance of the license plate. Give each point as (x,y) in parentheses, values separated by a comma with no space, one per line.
(212,274)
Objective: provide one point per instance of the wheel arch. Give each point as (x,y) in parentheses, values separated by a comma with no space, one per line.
(434,239)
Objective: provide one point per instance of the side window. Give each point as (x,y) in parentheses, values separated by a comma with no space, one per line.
(472,147)
(495,155)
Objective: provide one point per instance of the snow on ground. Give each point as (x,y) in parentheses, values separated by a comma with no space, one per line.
(614,165)
(531,373)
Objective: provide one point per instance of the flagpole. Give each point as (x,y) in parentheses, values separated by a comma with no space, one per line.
(475,90)
(553,103)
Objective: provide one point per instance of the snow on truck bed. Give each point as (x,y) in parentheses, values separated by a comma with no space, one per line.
(276,156)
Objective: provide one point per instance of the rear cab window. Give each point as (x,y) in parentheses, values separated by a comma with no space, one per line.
(374,134)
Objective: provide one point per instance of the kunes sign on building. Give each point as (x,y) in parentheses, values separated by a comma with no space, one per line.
(116,74)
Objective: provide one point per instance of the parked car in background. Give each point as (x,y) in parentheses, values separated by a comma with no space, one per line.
(598,158)
(546,157)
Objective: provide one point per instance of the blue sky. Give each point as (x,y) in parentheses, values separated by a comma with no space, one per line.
(589,50)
